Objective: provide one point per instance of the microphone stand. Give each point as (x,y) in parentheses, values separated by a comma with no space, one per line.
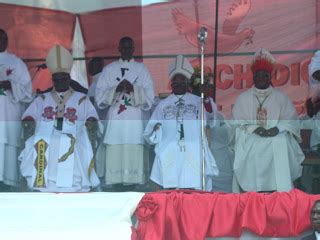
(36,72)
(202,42)
(38,68)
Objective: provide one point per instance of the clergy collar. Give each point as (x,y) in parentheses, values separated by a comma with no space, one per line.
(62,93)
(96,76)
(3,53)
(126,61)
(262,92)
(180,97)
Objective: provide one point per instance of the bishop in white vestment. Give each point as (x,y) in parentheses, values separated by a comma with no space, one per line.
(15,91)
(267,153)
(126,87)
(175,129)
(59,156)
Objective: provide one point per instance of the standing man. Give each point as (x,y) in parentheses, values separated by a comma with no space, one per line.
(15,90)
(175,129)
(267,154)
(126,87)
(59,157)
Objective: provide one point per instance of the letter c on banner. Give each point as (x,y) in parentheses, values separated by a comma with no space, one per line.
(227,83)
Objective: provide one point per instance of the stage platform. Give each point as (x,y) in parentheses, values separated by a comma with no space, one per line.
(164,215)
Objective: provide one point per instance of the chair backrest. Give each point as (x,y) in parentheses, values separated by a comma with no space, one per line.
(305,136)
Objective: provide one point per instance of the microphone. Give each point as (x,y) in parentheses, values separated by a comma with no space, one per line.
(42,66)
(202,35)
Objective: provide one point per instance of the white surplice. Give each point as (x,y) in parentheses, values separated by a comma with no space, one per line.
(266,163)
(75,173)
(178,164)
(12,105)
(125,120)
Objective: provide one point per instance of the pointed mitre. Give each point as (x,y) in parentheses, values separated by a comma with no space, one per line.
(59,59)
(315,63)
(262,61)
(180,65)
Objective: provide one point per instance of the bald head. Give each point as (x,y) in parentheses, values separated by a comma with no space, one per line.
(126,48)
(315,216)
(125,40)
(3,40)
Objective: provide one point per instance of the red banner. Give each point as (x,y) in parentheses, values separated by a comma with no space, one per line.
(33,31)
(103,29)
(288,28)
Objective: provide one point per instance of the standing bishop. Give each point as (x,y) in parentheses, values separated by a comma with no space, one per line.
(175,129)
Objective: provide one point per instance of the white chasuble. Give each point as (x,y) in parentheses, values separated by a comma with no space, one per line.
(266,163)
(69,153)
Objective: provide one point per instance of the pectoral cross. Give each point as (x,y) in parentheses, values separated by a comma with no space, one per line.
(261,116)
(123,71)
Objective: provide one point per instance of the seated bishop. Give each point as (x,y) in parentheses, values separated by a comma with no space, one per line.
(267,154)
(58,156)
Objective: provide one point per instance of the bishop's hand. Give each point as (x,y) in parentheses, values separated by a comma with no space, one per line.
(272,132)
(156,127)
(316,104)
(29,126)
(260,131)
(5,85)
(124,86)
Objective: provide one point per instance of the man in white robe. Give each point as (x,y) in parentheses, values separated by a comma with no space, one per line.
(311,119)
(175,129)
(267,154)
(15,91)
(59,156)
(126,87)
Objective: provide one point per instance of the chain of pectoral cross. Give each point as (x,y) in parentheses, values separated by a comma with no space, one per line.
(181,107)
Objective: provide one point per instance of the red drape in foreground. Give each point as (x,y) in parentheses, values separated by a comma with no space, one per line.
(195,215)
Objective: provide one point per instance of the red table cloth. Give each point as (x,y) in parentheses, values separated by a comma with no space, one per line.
(194,215)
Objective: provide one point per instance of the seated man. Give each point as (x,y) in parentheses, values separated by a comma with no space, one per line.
(267,154)
(58,157)
(175,128)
